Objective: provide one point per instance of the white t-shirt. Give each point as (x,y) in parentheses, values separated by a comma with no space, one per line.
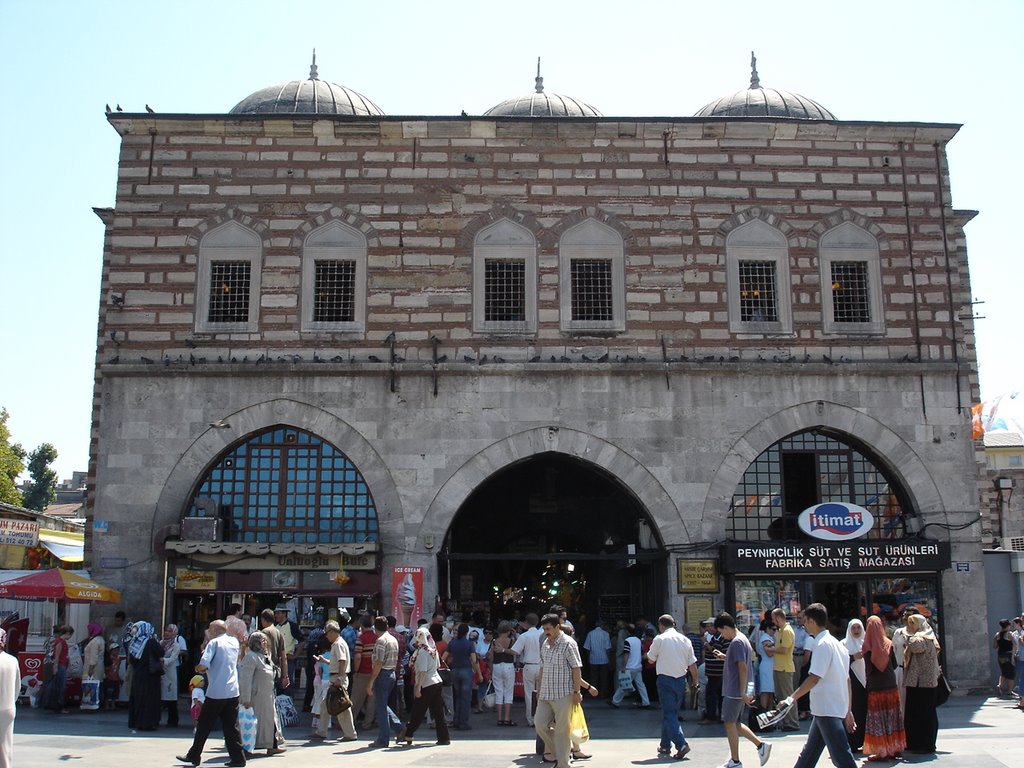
(672,653)
(632,648)
(830,662)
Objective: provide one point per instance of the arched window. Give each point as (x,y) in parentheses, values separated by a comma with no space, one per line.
(285,485)
(851,283)
(228,280)
(334,279)
(505,279)
(811,468)
(757,275)
(592,284)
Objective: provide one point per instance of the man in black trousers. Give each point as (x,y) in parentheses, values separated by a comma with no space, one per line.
(219,662)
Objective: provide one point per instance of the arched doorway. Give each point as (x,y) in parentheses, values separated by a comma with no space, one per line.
(552,529)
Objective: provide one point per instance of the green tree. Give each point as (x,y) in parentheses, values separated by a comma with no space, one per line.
(43,489)
(12,463)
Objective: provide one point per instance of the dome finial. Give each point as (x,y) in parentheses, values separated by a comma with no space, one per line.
(539,79)
(312,67)
(755,81)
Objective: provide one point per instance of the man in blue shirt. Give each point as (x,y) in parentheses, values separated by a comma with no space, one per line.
(220,663)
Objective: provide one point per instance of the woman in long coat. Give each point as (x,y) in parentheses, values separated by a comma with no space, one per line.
(921,675)
(256,690)
(146,657)
(169,682)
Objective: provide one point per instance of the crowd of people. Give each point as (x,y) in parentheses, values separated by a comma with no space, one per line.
(874,691)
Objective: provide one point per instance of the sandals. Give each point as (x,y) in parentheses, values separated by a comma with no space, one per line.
(509,723)
(580,755)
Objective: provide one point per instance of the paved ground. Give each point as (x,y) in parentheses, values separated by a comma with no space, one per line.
(976,732)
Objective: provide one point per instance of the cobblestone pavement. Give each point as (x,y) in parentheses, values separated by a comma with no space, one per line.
(976,732)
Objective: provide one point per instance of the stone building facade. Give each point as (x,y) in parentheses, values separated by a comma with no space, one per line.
(540,345)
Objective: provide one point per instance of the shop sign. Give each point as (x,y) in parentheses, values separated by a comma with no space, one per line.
(407,594)
(195,581)
(315,562)
(835,521)
(20,533)
(827,557)
(696,575)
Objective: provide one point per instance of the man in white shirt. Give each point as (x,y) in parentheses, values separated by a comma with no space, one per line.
(672,654)
(598,644)
(632,665)
(828,681)
(527,651)
(220,663)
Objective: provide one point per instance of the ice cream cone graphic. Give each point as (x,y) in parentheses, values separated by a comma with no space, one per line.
(407,599)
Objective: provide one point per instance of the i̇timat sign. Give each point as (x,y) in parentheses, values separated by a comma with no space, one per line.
(20,533)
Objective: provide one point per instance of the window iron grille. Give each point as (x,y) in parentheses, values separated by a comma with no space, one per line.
(334,291)
(850,294)
(592,297)
(229,292)
(504,290)
(758,298)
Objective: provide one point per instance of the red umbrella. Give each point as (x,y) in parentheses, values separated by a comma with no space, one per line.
(58,584)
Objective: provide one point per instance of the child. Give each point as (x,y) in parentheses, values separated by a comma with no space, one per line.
(112,677)
(198,697)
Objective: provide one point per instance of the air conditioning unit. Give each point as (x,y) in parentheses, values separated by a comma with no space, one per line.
(1013,543)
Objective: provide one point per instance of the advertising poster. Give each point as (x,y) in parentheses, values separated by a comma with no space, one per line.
(407,594)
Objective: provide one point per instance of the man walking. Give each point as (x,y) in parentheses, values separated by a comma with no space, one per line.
(828,681)
(785,641)
(382,681)
(673,657)
(714,664)
(338,678)
(527,651)
(738,691)
(598,643)
(219,662)
(632,665)
(559,682)
(275,648)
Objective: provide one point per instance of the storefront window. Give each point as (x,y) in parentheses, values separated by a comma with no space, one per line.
(803,470)
(890,597)
(755,596)
(286,485)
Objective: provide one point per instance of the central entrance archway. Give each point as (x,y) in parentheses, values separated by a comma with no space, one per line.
(550,529)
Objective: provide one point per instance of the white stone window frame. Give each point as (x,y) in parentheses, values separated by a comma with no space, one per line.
(759,241)
(506,241)
(333,241)
(230,242)
(591,240)
(848,242)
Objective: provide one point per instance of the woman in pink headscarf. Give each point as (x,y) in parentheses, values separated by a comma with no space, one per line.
(884,736)
(92,654)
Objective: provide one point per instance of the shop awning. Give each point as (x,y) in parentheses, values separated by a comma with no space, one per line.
(64,545)
(254,548)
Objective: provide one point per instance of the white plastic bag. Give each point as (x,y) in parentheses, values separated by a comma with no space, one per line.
(247,726)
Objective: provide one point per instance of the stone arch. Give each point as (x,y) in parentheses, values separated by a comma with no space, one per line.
(842,216)
(355,220)
(617,463)
(888,447)
(570,220)
(229,214)
(757,213)
(213,441)
(467,236)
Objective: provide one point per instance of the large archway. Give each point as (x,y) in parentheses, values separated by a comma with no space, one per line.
(553,528)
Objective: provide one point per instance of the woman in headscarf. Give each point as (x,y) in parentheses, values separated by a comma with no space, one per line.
(884,737)
(426,691)
(169,681)
(921,676)
(146,658)
(92,655)
(854,644)
(238,630)
(256,690)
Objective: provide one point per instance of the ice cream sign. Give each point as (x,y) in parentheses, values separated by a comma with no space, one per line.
(835,521)
(407,594)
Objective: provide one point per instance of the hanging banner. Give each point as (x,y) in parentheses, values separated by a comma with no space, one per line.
(20,533)
(407,594)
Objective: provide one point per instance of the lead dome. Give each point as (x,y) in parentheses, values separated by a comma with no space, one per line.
(310,96)
(541,104)
(756,101)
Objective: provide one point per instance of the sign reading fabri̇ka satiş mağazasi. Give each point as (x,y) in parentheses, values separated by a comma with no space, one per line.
(873,555)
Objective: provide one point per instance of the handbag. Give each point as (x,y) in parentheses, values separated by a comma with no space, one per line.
(942,690)
(337,700)
(247,726)
(625,681)
(490,698)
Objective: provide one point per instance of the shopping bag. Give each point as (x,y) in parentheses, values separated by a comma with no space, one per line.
(337,700)
(625,681)
(247,727)
(490,698)
(90,693)
(287,714)
(578,725)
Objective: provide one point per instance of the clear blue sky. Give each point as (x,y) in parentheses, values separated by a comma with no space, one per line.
(62,61)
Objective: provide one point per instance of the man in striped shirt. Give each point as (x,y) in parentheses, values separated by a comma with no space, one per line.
(558,683)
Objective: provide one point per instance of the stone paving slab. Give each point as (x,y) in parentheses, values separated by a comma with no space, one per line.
(976,732)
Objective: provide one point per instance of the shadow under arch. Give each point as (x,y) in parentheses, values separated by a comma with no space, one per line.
(882,443)
(671,528)
(281,411)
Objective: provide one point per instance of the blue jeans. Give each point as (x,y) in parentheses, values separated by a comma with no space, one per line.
(462,683)
(670,695)
(826,732)
(387,721)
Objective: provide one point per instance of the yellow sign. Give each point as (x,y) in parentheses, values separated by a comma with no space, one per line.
(195,581)
(697,609)
(697,575)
